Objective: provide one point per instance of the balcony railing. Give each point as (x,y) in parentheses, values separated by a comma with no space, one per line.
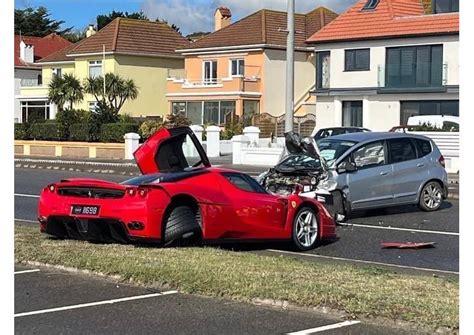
(30,83)
(382,81)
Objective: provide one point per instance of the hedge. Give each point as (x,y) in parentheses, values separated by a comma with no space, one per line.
(114,132)
(80,132)
(44,131)
(22,131)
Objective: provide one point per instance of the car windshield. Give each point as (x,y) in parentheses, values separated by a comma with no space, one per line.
(299,162)
(331,149)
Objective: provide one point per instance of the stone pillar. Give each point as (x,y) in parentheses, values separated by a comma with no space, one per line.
(253,134)
(131,144)
(213,141)
(197,130)
(238,141)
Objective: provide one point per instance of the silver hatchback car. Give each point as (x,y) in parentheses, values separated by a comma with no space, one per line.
(373,170)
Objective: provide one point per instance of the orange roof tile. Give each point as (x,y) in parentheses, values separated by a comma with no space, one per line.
(391,18)
(127,36)
(266,27)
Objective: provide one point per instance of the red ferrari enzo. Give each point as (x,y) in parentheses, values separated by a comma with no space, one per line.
(172,201)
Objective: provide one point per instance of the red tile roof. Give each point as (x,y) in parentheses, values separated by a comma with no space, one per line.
(127,36)
(390,19)
(43,46)
(266,27)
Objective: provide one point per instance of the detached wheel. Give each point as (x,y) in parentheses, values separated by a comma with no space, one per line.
(431,197)
(306,229)
(181,224)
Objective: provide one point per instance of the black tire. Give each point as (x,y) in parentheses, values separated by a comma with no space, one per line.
(431,191)
(299,245)
(181,224)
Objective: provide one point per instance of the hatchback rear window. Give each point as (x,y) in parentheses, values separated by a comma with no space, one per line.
(424,147)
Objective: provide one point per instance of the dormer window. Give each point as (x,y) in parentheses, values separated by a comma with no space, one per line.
(371,4)
(445,6)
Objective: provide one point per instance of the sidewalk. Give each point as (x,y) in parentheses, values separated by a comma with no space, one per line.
(128,167)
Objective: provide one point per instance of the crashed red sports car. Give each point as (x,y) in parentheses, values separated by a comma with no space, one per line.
(173,201)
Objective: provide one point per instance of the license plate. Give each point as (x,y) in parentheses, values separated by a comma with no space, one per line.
(85,210)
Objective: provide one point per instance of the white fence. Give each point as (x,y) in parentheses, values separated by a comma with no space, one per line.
(448,144)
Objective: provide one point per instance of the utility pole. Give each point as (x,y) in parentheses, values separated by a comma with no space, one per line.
(290,67)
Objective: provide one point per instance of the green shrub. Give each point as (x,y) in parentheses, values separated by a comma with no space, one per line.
(44,131)
(66,118)
(231,130)
(22,131)
(114,132)
(126,118)
(80,132)
(148,128)
(176,120)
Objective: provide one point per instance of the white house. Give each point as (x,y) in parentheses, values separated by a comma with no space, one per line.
(28,50)
(383,61)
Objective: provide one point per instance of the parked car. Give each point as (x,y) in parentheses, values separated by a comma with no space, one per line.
(327,132)
(174,201)
(368,170)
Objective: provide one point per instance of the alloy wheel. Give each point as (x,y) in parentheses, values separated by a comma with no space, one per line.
(306,228)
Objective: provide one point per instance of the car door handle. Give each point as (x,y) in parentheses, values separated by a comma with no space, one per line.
(385,173)
(420,165)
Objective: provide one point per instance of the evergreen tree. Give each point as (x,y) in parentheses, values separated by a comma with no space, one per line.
(37,22)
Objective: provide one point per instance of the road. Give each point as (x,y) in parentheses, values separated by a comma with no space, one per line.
(50,301)
(359,241)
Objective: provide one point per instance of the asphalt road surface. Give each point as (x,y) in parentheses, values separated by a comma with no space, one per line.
(50,301)
(358,243)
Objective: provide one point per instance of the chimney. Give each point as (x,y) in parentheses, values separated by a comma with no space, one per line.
(90,31)
(27,52)
(222,18)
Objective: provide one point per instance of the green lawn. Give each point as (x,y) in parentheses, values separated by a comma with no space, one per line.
(359,291)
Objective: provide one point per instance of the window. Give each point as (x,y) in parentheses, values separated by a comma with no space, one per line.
(370,155)
(237,67)
(420,66)
(57,72)
(357,60)
(251,108)
(440,107)
(93,106)
(401,150)
(244,182)
(205,112)
(95,68)
(40,80)
(352,114)
(424,147)
(445,6)
(34,111)
(323,61)
(211,112)
(210,72)
(371,4)
(194,112)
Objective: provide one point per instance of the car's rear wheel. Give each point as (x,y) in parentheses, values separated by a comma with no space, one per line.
(431,197)
(306,229)
(181,224)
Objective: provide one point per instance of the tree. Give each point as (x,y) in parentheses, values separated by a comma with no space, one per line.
(75,35)
(66,89)
(117,90)
(197,35)
(103,20)
(36,22)
(173,26)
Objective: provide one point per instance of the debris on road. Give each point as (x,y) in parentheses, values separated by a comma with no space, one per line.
(407,245)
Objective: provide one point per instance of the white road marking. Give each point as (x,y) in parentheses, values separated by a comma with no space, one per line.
(25,220)
(361,261)
(26,195)
(97,303)
(26,271)
(324,328)
(400,229)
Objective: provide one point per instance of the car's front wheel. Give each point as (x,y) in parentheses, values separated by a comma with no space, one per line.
(306,229)
(431,197)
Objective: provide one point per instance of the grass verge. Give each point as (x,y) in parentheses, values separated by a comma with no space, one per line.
(359,291)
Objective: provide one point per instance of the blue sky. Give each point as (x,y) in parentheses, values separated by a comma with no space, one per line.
(189,15)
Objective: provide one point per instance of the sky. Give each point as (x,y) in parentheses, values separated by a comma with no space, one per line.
(189,15)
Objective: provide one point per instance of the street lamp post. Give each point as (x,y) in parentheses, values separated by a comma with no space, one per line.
(290,66)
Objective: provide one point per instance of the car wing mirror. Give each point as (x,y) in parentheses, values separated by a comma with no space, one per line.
(346,167)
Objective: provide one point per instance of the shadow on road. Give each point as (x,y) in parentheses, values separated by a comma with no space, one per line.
(405,209)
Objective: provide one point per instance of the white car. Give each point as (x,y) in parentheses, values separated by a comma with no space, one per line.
(438,121)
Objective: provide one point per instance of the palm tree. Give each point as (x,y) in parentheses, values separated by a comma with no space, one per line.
(65,89)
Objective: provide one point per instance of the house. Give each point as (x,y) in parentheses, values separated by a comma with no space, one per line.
(143,51)
(28,51)
(383,61)
(239,69)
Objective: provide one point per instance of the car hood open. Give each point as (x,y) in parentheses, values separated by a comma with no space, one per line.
(163,151)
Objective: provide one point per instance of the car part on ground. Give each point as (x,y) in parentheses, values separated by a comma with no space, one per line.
(173,202)
(407,245)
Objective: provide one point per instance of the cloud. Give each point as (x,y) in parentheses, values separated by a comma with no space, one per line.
(197,15)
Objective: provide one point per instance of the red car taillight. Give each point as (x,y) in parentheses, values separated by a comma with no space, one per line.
(131,192)
(51,188)
(441,161)
(141,192)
